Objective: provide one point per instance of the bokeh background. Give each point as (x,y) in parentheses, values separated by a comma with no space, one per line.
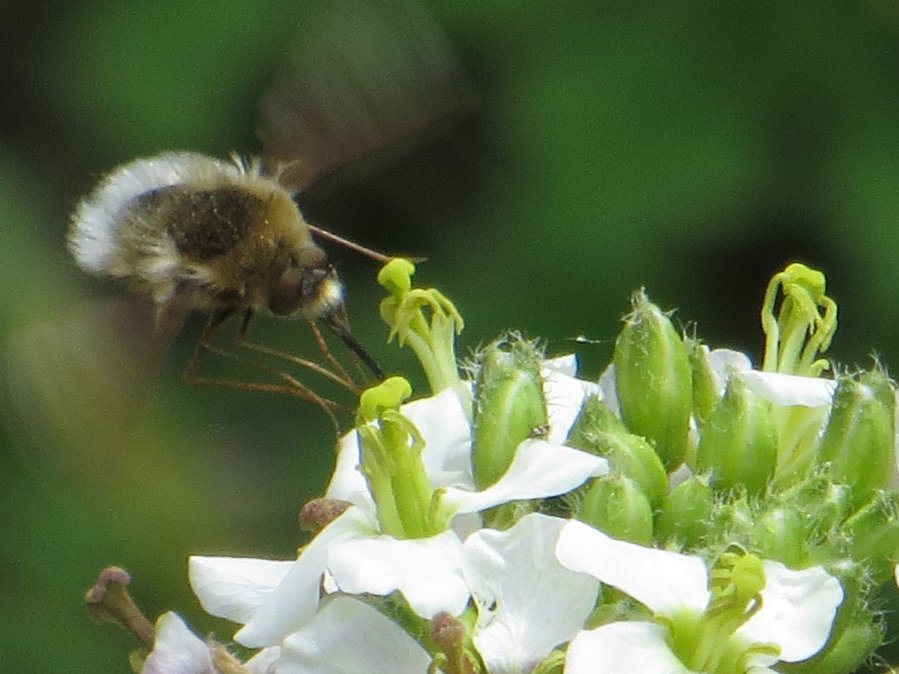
(687,147)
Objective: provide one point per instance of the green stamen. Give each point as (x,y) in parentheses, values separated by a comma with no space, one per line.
(390,454)
(433,341)
(804,326)
(706,642)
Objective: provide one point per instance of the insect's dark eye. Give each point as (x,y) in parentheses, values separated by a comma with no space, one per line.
(286,295)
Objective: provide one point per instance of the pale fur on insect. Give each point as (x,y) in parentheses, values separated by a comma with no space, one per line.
(158,223)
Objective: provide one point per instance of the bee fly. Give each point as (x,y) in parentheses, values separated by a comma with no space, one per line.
(224,237)
(197,233)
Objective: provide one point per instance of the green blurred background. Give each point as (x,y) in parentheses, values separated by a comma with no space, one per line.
(690,148)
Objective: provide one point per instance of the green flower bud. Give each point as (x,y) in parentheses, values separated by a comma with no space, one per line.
(653,380)
(739,443)
(873,534)
(594,417)
(686,513)
(780,533)
(632,456)
(705,387)
(734,517)
(509,405)
(823,503)
(859,438)
(618,507)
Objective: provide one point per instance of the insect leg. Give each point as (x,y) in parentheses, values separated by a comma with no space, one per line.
(337,374)
(291,387)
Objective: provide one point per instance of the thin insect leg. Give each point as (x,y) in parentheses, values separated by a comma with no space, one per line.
(190,374)
(338,375)
(325,350)
(292,387)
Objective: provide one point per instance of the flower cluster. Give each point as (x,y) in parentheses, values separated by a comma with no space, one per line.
(686,512)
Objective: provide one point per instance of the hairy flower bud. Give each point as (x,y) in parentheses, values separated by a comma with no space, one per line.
(873,534)
(859,438)
(631,456)
(686,512)
(780,533)
(618,507)
(653,380)
(509,405)
(739,443)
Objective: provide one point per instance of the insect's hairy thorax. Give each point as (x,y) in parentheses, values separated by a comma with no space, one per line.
(230,243)
(205,223)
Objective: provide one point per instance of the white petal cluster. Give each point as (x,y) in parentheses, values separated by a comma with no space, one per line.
(529,590)
(284,604)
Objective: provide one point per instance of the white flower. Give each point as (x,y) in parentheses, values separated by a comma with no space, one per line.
(177,650)
(348,637)
(792,624)
(274,599)
(527,602)
(445,426)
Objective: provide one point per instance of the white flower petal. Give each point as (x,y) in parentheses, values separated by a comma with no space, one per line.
(565,395)
(296,599)
(177,650)
(527,602)
(234,587)
(798,610)
(349,637)
(347,482)
(566,365)
(428,571)
(663,581)
(446,428)
(264,662)
(724,362)
(786,390)
(622,647)
(609,389)
(539,469)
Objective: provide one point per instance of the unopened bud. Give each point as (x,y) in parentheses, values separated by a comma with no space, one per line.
(653,380)
(781,534)
(873,534)
(859,438)
(594,417)
(631,456)
(704,384)
(509,406)
(686,513)
(617,506)
(739,443)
